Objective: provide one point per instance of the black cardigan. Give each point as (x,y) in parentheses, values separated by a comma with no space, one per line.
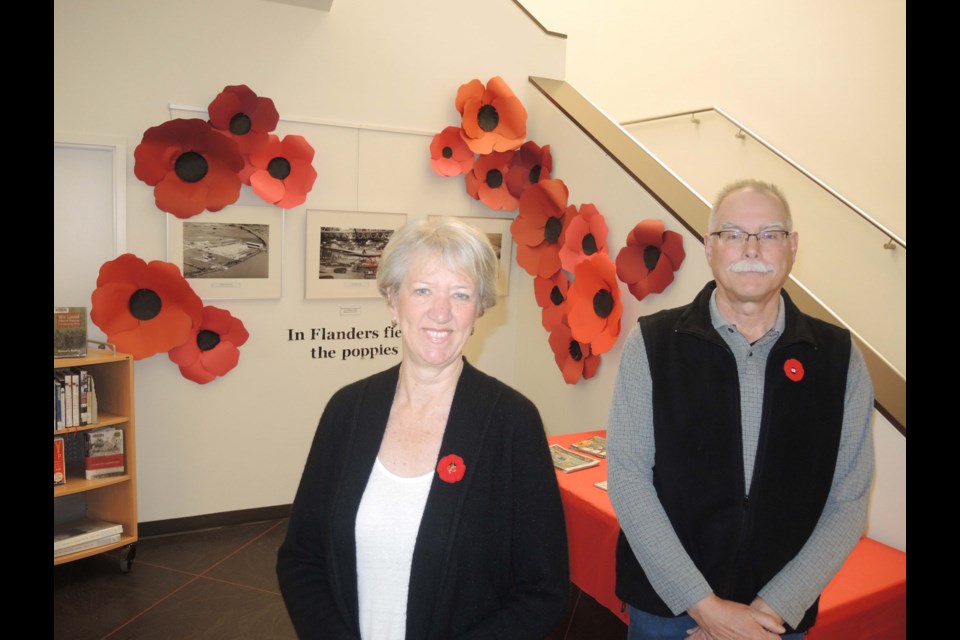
(490,560)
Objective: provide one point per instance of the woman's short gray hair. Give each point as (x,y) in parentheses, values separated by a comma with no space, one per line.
(460,246)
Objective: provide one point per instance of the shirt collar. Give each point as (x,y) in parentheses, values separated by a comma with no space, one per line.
(719,322)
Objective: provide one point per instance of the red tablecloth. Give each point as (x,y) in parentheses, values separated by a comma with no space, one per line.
(866,599)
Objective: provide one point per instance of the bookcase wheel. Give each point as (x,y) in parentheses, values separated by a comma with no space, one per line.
(127,554)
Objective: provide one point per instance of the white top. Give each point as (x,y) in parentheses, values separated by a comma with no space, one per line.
(386,530)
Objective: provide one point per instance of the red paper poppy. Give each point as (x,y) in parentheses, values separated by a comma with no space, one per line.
(238,113)
(586,235)
(144,308)
(551,294)
(211,349)
(530,165)
(794,369)
(493,117)
(574,358)
(486,181)
(540,226)
(282,171)
(449,154)
(191,166)
(593,303)
(451,468)
(647,263)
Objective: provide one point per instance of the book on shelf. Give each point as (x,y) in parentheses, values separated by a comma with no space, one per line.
(103,452)
(69,332)
(59,462)
(94,413)
(595,446)
(69,535)
(83,387)
(569,461)
(89,544)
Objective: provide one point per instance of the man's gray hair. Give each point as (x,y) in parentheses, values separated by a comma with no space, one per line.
(749,184)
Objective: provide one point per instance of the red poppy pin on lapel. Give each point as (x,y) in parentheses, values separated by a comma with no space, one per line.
(451,468)
(794,369)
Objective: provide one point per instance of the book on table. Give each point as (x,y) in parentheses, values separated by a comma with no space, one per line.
(595,446)
(569,461)
(84,533)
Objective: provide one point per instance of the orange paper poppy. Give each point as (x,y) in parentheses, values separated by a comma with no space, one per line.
(486,181)
(449,154)
(594,308)
(144,308)
(191,166)
(282,171)
(647,263)
(540,226)
(551,294)
(493,117)
(211,349)
(530,165)
(238,113)
(586,235)
(574,358)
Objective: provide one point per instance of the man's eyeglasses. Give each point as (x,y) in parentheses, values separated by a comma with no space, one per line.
(738,236)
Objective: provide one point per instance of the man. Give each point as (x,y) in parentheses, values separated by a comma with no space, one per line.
(739,443)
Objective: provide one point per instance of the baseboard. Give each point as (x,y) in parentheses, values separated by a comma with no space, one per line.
(212,520)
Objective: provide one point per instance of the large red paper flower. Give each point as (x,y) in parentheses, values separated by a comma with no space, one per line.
(586,235)
(551,294)
(449,154)
(211,349)
(191,166)
(451,468)
(238,113)
(530,165)
(646,264)
(539,227)
(144,308)
(486,181)
(282,171)
(574,358)
(493,117)
(593,303)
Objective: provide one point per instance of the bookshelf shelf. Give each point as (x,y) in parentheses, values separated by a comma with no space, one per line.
(112,498)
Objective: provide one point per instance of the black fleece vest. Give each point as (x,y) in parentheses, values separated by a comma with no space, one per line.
(739,541)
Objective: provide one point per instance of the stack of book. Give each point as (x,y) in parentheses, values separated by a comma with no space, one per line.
(103,452)
(82,534)
(74,398)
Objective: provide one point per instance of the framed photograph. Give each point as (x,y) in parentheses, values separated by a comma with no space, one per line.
(498,230)
(235,253)
(343,252)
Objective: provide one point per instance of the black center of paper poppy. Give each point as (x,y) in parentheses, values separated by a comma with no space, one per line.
(279,168)
(447,152)
(190,167)
(207,339)
(556,297)
(651,256)
(488,118)
(535,175)
(144,304)
(575,351)
(240,124)
(551,232)
(602,303)
(494,178)
(589,244)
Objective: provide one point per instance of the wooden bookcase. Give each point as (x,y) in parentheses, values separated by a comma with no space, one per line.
(113,499)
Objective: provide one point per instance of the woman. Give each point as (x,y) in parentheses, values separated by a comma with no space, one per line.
(429,505)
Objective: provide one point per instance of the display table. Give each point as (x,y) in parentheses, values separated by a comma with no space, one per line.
(866,599)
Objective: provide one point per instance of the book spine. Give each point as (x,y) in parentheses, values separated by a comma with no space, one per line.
(59,464)
(89,544)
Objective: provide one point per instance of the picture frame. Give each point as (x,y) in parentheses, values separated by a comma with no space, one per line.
(498,231)
(235,253)
(343,252)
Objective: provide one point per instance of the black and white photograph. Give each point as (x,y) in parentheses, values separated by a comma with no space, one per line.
(233,253)
(343,252)
(498,231)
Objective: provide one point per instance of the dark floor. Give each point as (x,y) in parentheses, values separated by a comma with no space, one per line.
(216,583)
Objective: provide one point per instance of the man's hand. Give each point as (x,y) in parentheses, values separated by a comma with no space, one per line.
(760,605)
(719,619)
